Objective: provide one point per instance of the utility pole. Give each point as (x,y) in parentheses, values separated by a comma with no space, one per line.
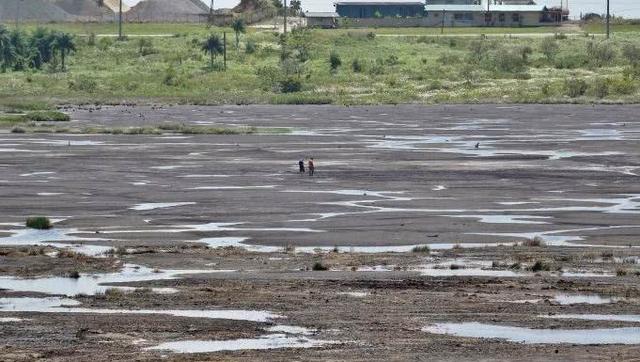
(608,20)
(211,13)
(285,16)
(18,2)
(120,21)
(224,37)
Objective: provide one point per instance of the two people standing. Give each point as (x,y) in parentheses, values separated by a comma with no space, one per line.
(310,165)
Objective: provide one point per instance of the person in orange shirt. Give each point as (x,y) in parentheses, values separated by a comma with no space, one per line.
(311,166)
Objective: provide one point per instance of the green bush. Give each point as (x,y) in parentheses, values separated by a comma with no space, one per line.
(334,61)
(83,83)
(550,48)
(575,87)
(571,61)
(421,249)
(600,54)
(47,116)
(250,47)
(601,88)
(631,52)
(623,86)
(318,266)
(39,222)
(290,85)
(356,66)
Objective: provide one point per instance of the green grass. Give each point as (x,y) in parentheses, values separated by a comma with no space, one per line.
(420,68)
(130,29)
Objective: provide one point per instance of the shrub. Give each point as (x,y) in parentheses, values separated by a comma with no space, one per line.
(170,77)
(540,266)
(456,266)
(421,249)
(631,53)
(575,87)
(507,60)
(571,61)
(39,222)
(601,88)
(535,242)
(371,35)
(47,116)
(334,61)
(18,130)
(624,86)
(621,272)
(550,48)
(318,266)
(600,54)
(83,83)
(290,85)
(74,275)
(250,47)
(356,66)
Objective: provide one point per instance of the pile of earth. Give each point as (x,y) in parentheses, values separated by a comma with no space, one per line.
(33,10)
(168,10)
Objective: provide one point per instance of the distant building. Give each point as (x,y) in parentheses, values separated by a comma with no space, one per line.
(325,20)
(508,13)
(379,9)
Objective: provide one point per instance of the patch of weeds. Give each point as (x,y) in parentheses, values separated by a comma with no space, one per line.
(47,116)
(535,242)
(621,272)
(421,249)
(575,87)
(515,266)
(540,266)
(39,222)
(74,275)
(318,266)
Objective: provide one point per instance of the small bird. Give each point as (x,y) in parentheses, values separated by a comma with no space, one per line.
(477,145)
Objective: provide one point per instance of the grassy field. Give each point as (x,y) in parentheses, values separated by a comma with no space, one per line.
(368,68)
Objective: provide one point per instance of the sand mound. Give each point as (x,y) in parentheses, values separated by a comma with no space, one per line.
(87,10)
(168,10)
(114,5)
(32,10)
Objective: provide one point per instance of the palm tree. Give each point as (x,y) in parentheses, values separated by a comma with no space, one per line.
(42,41)
(65,44)
(7,51)
(238,27)
(213,46)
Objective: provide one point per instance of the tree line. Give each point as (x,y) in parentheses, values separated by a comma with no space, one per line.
(20,51)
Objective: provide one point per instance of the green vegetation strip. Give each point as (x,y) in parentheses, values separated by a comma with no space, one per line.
(152,130)
(344,66)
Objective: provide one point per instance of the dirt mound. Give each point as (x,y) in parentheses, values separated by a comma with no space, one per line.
(114,5)
(87,10)
(168,10)
(32,10)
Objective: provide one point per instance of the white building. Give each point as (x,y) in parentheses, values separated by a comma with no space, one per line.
(508,13)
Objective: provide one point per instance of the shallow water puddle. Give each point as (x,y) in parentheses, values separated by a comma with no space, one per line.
(597,317)
(538,336)
(257,187)
(271,341)
(566,299)
(504,219)
(54,237)
(65,305)
(159,205)
(91,284)
(464,267)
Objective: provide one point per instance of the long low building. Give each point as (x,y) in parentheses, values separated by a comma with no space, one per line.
(449,13)
(493,15)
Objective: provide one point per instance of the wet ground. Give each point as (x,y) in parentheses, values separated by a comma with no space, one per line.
(177,245)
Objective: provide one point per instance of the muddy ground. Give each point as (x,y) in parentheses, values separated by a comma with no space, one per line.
(519,205)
